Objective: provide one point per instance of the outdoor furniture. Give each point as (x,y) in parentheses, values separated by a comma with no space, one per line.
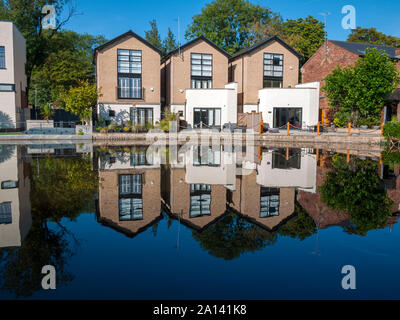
(273,131)
(266,127)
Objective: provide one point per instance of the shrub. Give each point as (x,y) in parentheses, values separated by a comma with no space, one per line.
(370,122)
(342,119)
(392,130)
(127,129)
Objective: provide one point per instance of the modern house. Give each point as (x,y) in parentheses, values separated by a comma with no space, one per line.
(13,99)
(128,77)
(195,83)
(129,193)
(15,205)
(335,54)
(270,63)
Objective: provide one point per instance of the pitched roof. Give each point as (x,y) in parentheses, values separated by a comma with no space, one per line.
(360,48)
(126,34)
(264,42)
(194,41)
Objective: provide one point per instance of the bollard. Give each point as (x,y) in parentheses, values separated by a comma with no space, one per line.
(348,156)
(288,129)
(349,129)
(317,155)
(318,129)
(323,117)
(382,127)
(287,154)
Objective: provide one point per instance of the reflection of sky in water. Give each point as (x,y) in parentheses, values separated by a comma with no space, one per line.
(168,260)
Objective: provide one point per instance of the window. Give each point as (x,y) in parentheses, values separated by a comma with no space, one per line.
(129,74)
(141,158)
(282,159)
(284,115)
(201,71)
(2,58)
(7,87)
(141,116)
(130,197)
(273,70)
(111,113)
(9,185)
(5,213)
(207,118)
(200,200)
(206,156)
(269,202)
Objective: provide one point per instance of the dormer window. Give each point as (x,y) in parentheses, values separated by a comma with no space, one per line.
(201,71)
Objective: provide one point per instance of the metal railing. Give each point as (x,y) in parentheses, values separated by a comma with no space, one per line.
(126,94)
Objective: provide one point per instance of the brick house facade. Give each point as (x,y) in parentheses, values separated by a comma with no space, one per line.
(333,54)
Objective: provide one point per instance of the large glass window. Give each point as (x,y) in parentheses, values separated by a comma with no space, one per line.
(273,70)
(269,202)
(5,213)
(2,58)
(208,118)
(130,197)
(130,74)
(201,71)
(200,200)
(286,159)
(284,115)
(141,116)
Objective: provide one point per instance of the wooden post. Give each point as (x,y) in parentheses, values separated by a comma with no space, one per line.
(318,129)
(382,126)
(317,155)
(288,129)
(349,129)
(287,154)
(348,156)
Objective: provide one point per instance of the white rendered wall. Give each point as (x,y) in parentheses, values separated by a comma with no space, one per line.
(122,112)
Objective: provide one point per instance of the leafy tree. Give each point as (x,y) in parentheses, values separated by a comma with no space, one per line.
(228,23)
(301,227)
(28,16)
(69,61)
(364,88)
(356,189)
(305,35)
(153,35)
(80,100)
(372,36)
(169,43)
(232,236)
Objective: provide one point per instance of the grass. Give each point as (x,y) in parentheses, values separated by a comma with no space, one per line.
(9,133)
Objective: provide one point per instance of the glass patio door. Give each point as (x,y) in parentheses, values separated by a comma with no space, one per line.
(284,115)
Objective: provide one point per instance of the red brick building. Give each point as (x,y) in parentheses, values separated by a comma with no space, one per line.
(339,53)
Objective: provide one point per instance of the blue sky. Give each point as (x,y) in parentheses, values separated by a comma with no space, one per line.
(111,18)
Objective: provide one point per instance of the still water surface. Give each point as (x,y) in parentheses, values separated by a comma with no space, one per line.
(279,223)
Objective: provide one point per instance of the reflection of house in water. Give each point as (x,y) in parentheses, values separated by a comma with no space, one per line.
(197,195)
(267,194)
(15,207)
(130,186)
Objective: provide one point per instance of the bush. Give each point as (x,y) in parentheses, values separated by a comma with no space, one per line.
(391,130)
(342,119)
(370,122)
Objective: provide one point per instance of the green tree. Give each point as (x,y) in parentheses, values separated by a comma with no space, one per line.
(153,35)
(301,227)
(233,236)
(364,88)
(80,100)
(47,112)
(28,16)
(228,23)
(69,61)
(356,189)
(305,35)
(372,36)
(169,43)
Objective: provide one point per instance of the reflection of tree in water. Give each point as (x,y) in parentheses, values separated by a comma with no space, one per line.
(60,188)
(300,227)
(6,152)
(233,236)
(21,267)
(356,189)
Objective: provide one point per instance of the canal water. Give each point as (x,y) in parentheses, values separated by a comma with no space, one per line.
(202,222)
